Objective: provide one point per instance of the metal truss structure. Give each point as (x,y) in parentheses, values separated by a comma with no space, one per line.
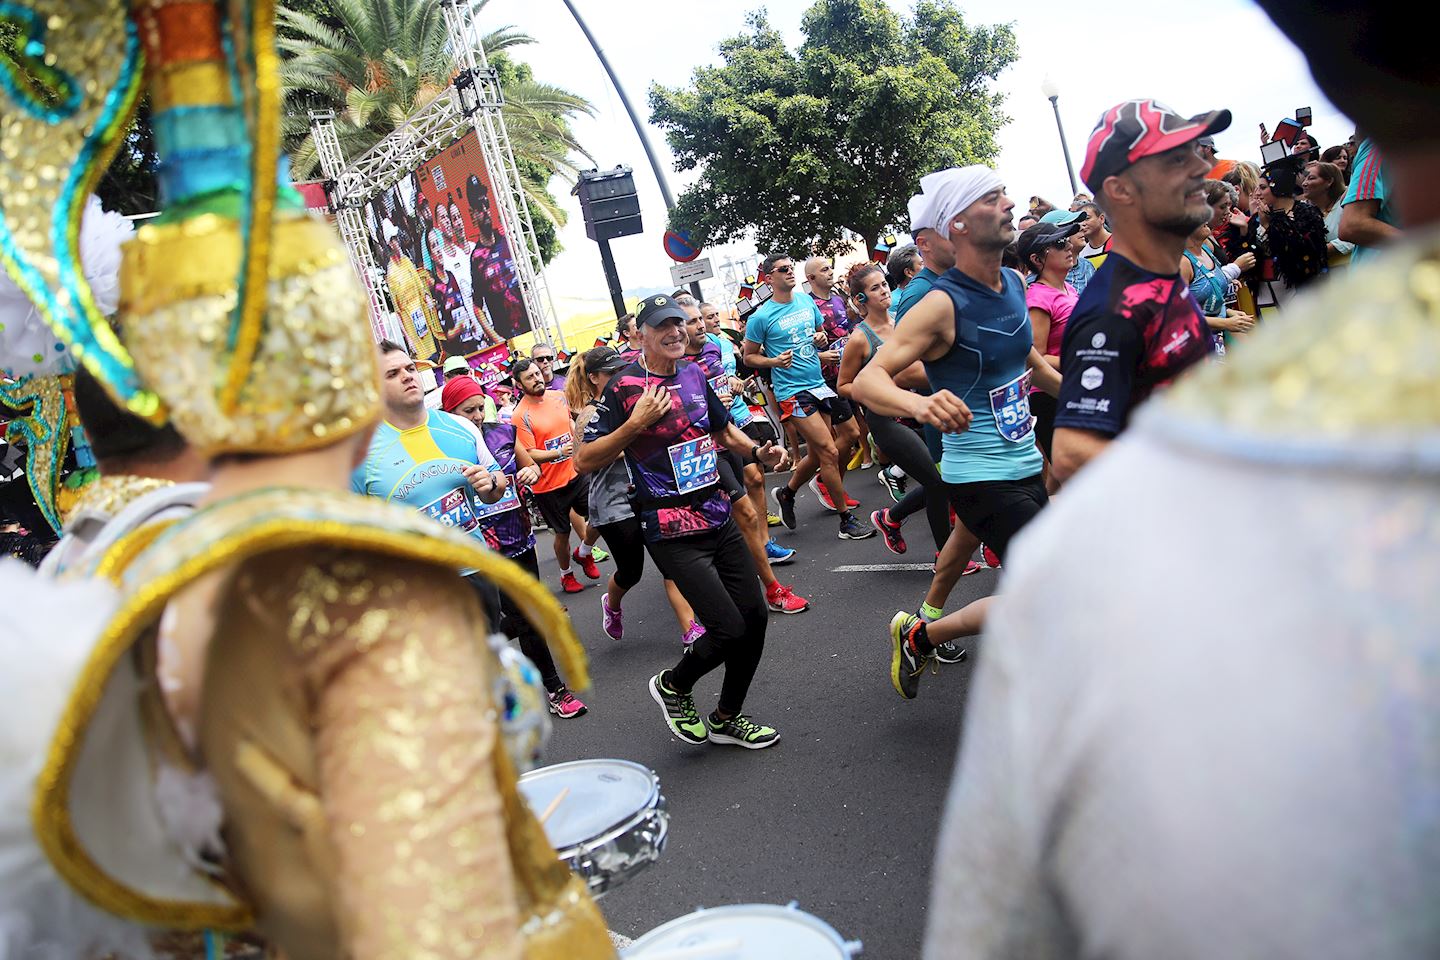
(472,101)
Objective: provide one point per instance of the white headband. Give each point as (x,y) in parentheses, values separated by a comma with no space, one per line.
(944,194)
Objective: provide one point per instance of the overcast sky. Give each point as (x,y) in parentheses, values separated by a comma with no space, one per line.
(1195,57)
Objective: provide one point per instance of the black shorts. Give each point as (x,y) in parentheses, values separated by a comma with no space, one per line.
(996,510)
(806,404)
(1044,407)
(760,431)
(732,473)
(555,505)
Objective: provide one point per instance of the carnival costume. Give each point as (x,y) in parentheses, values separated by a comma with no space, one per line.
(323,746)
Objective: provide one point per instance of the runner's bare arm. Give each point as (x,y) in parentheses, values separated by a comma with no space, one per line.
(755,357)
(737,441)
(856,350)
(1043,373)
(927,333)
(1073,448)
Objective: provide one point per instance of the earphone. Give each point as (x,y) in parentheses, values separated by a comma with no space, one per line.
(959,226)
(861,298)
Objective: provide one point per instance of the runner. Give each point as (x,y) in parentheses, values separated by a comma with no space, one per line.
(542,424)
(706,350)
(973,334)
(782,336)
(836,322)
(505,527)
(662,416)
(1137,326)
(441,465)
(611,511)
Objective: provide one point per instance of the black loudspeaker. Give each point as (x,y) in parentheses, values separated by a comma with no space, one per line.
(609,204)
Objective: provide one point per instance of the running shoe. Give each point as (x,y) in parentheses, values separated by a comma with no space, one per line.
(852,529)
(992,560)
(781,599)
(784,499)
(817,488)
(566,705)
(771,520)
(586,563)
(694,632)
(679,710)
(948,652)
(613,621)
(889,531)
(893,485)
(970,567)
(569,584)
(741,731)
(600,555)
(778,555)
(906,663)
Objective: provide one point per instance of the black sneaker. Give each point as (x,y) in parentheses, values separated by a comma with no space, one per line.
(894,485)
(681,716)
(948,652)
(906,664)
(784,499)
(852,529)
(741,731)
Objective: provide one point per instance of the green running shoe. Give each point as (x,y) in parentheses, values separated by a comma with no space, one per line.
(741,731)
(600,555)
(680,714)
(906,664)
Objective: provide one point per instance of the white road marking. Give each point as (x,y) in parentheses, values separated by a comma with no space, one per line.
(879,567)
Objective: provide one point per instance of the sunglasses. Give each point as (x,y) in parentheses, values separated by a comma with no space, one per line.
(543,359)
(789,269)
(1060,244)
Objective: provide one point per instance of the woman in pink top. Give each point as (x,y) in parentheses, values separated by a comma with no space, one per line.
(1045,252)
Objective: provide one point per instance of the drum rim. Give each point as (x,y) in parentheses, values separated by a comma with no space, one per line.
(654,803)
(791,911)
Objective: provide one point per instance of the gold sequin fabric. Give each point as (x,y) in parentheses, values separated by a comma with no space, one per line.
(314,378)
(108,495)
(1355,362)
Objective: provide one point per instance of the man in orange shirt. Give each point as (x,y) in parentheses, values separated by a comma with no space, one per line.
(543,426)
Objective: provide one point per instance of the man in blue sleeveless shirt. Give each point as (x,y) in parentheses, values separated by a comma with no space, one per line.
(973,334)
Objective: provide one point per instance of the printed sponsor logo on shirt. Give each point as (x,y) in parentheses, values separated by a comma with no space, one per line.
(1176,342)
(1098,340)
(427,471)
(1091,378)
(1089,405)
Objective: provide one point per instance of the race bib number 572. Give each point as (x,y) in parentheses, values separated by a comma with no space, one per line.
(694,464)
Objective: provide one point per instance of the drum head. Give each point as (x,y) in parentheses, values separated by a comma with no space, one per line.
(756,931)
(603,794)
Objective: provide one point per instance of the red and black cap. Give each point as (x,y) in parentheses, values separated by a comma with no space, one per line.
(1136,129)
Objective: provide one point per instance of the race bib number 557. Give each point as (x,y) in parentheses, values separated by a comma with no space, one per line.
(1010,403)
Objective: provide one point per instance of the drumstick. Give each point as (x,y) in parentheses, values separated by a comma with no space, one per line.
(553,804)
(695,952)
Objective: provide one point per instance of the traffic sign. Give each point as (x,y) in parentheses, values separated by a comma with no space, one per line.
(679,247)
(683,273)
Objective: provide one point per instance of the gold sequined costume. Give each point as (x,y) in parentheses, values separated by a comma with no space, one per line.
(315,741)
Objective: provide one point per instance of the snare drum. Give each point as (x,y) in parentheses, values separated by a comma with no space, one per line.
(745,931)
(611,821)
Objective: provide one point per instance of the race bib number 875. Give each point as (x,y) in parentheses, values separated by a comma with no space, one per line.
(694,464)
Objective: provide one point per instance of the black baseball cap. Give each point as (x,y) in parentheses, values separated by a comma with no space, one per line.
(656,310)
(603,360)
(1038,236)
(1131,131)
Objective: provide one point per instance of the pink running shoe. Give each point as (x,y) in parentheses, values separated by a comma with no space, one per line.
(613,620)
(694,632)
(889,531)
(566,705)
(991,559)
(781,599)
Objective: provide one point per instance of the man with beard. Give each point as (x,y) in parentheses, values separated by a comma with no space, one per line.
(1137,326)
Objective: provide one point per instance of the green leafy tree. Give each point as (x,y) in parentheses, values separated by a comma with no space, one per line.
(802,146)
(376,62)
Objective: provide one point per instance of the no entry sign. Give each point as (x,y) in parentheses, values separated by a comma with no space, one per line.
(679,247)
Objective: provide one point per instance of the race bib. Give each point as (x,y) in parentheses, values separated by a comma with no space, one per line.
(822,392)
(694,463)
(556,443)
(417,319)
(453,509)
(1010,403)
(510,500)
(839,345)
(721,386)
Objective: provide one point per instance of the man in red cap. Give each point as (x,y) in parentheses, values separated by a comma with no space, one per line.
(1137,326)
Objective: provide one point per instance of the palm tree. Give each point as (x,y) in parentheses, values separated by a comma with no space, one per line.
(376,62)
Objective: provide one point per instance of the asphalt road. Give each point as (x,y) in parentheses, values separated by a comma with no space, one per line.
(843,813)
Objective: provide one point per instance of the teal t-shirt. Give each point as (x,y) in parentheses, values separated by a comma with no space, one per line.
(919,285)
(739,409)
(423,468)
(1368,183)
(778,327)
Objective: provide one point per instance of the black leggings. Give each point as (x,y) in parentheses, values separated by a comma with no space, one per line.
(716,575)
(627,549)
(508,619)
(906,448)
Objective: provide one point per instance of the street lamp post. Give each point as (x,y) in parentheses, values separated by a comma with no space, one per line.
(1052,93)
